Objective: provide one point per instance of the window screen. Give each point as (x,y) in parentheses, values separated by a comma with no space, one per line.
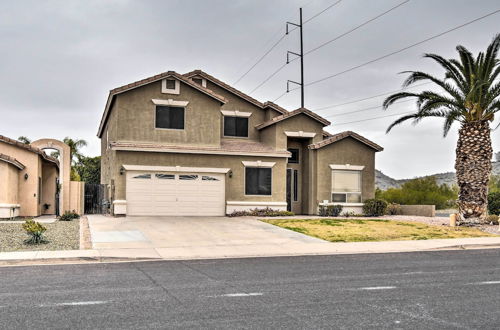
(257,181)
(170,84)
(346,181)
(235,126)
(169,117)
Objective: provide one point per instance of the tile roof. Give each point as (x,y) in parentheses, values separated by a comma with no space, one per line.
(149,80)
(12,161)
(223,85)
(29,148)
(276,107)
(291,114)
(340,136)
(227,146)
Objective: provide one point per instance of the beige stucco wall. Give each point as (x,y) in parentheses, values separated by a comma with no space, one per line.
(346,151)
(135,113)
(77,195)
(234,185)
(9,178)
(49,177)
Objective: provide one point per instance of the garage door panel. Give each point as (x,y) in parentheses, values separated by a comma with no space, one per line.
(165,194)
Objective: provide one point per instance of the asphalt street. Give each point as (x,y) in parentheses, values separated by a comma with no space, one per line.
(425,290)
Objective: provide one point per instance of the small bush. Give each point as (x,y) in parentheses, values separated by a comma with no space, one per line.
(374,207)
(494,203)
(323,211)
(267,212)
(35,230)
(348,214)
(394,209)
(69,216)
(334,210)
(492,219)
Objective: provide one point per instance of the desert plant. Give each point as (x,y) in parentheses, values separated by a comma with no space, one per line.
(470,96)
(35,230)
(374,207)
(334,210)
(492,219)
(394,209)
(69,216)
(494,203)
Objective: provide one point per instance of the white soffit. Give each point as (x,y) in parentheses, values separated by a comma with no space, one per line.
(236,113)
(347,167)
(147,168)
(258,164)
(300,134)
(170,102)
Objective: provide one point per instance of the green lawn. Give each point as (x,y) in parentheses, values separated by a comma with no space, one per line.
(356,230)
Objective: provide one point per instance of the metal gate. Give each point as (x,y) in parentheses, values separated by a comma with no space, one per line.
(95,199)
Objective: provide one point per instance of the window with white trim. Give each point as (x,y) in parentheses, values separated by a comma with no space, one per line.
(258,181)
(169,117)
(235,126)
(346,186)
(170,86)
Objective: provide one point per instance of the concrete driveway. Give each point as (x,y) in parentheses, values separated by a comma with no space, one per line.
(194,237)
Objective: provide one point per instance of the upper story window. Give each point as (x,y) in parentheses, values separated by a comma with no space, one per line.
(346,186)
(170,86)
(169,117)
(235,126)
(294,159)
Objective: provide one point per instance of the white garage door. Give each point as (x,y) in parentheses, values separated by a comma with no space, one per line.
(175,194)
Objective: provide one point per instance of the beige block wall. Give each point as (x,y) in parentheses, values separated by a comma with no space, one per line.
(9,179)
(135,115)
(346,151)
(234,185)
(77,195)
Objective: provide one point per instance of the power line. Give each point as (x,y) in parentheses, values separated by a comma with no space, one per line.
(373,118)
(402,49)
(321,12)
(361,110)
(280,40)
(332,40)
(367,98)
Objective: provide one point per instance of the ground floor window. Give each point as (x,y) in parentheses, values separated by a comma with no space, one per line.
(258,180)
(346,186)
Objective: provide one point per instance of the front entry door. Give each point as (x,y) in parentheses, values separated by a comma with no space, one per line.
(289,189)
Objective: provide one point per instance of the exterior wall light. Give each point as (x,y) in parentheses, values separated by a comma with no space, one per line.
(122,170)
(230,173)
(26,176)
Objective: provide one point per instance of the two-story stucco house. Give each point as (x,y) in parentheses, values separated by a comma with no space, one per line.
(190,144)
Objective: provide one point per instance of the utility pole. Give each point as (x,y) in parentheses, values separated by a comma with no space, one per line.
(301,55)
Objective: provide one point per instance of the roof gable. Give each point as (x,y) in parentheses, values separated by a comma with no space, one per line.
(12,161)
(340,136)
(223,85)
(149,80)
(28,147)
(292,114)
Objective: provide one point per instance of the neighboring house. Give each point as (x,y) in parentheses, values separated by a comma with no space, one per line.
(28,180)
(190,144)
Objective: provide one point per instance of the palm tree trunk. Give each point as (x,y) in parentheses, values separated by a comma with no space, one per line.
(473,167)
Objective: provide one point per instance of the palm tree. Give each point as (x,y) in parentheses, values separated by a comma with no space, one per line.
(24,139)
(469,95)
(74,146)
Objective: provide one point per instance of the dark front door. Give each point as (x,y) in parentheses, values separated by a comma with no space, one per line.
(289,189)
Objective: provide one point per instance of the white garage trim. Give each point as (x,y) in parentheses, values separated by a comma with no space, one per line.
(175,169)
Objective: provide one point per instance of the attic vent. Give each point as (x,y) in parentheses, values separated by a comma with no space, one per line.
(200,81)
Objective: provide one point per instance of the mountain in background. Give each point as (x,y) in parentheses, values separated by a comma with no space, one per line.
(385,182)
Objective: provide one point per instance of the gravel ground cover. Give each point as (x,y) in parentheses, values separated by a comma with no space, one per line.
(61,235)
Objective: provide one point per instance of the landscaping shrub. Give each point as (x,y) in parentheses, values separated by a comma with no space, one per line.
(492,219)
(267,212)
(374,207)
(323,211)
(421,191)
(348,214)
(69,216)
(35,230)
(494,203)
(334,210)
(394,209)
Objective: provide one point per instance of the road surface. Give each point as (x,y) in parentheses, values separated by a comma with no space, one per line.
(439,290)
